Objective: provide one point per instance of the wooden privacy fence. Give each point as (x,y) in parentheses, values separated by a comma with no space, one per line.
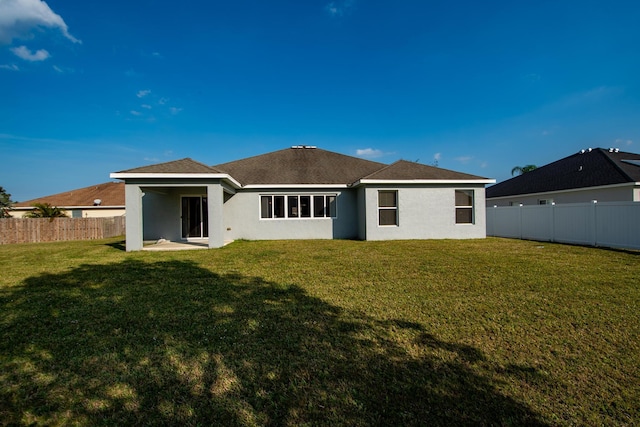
(32,230)
(611,224)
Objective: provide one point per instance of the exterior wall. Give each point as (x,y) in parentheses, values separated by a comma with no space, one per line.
(133,201)
(161,213)
(425,213)
(625,193)
(362,213)
(242,218)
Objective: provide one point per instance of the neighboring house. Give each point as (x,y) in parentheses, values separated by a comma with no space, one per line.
(300,193)
(102,200)
(605,175)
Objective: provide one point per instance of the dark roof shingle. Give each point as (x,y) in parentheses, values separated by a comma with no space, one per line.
(593,168)
(185,165)
(404,170)
(299,166)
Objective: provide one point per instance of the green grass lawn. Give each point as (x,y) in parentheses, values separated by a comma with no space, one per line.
(482,332)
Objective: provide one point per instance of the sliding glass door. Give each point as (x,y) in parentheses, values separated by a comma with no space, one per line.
(195,220)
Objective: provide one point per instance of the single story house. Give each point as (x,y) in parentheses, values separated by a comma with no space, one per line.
(101,200)
(300,192)
(605,175)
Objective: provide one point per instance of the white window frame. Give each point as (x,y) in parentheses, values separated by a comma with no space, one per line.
(468,192)
(291,212)
(389,208)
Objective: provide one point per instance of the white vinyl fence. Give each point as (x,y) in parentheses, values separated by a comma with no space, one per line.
(611,224)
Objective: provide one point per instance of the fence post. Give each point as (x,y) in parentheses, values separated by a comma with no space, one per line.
(594,217)
(553,221)
(520,221)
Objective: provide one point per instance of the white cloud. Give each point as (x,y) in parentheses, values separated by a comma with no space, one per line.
(63,70)
(135,113)
(175,110)
(12,67)
(163,101)
(24,53)
(339,8)
(626,142)
(143,93)
(437,156)
(369,153)
(19,19)
(147,106)
(464,159)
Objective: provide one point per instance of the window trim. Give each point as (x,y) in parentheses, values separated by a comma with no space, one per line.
(302,210)
(389,208)
(466,207)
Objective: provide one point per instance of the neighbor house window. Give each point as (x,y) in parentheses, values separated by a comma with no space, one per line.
(387,207)
(298,206)
(464,206)
(545,201)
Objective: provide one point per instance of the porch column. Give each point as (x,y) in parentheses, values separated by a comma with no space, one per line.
(215,199)
(133,202)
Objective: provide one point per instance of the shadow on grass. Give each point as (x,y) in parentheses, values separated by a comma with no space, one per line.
(173,343)
(120,245)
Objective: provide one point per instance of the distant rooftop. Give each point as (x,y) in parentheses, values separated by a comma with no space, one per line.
(109,194)
(587,168)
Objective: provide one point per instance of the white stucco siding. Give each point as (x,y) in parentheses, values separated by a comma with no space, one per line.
(425,213)
(242,218)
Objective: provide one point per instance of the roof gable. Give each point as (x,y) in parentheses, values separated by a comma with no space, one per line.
(299,166)
(592,168)
(403,170)
(182,166)
(109,193)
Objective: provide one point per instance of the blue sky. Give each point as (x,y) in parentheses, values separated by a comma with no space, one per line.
(88,88)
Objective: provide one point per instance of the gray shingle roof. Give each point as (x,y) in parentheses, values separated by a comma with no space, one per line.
(181,166)
(593,168)
(404,170)
(306,166)
(299,166)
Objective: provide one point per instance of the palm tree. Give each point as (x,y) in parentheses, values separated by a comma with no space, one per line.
(5,203)
(523,169)
(45,210)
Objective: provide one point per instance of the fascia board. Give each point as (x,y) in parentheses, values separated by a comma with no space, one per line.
(125,175)
(292,186)
(423,181)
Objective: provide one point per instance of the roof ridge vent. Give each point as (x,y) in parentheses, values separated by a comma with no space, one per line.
(303,147)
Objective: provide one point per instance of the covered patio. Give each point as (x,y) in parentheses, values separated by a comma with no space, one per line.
(184,245)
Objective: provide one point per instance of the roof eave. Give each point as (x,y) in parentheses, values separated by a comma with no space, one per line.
(424,181)
(293,186)
(128,175)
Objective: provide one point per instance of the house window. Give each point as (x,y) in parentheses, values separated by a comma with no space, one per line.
(464,206)
(298,206)
(545,201)
(387,207)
